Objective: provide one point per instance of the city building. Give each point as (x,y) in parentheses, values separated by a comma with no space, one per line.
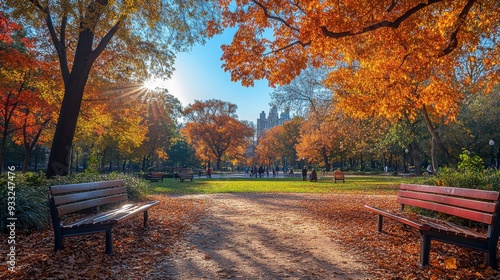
(274,119)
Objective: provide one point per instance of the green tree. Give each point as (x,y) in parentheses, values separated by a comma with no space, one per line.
(289,140)
(181,154)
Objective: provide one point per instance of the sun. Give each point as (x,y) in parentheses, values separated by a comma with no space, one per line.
(154,84)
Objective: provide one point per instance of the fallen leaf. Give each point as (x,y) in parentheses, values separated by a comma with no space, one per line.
(450,263)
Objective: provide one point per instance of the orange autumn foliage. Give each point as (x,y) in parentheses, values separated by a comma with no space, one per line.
(387,58)
(27,92)
(214,130)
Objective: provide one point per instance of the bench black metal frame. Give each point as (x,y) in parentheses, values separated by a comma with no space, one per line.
(475,205)
(71,198)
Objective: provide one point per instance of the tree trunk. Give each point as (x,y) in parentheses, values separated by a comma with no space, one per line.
(3,148)
(74,81)
(436,141)
(218,163)
(76,163)
(124,165)
(66,124)
(361,161)
(143,164)
(26,161)
(326,161)
(434,155)
(8,112)
(416,158)
(29,146)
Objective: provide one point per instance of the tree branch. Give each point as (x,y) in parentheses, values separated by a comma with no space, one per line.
(298,42)
(453,41)
(266,13)
(105,40)
(58,43)
(389,24)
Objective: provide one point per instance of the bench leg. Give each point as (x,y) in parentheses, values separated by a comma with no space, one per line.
(380,220)
(146,218)
(109,243)
(425,249)
(58,241)
(491,257)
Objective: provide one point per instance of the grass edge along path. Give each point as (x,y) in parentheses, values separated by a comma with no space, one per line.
(354,184)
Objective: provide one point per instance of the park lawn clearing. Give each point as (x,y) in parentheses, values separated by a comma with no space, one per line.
(353,184)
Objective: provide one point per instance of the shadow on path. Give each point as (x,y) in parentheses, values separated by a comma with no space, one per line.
(258,236)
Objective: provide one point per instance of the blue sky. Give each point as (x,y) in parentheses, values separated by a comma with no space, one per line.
(199,76)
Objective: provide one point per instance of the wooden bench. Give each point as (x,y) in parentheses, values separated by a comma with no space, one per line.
(155,176)
(186,174)
(68,199)
(479,206)
(338,175)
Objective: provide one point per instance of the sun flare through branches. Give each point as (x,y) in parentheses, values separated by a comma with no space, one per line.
(155,84)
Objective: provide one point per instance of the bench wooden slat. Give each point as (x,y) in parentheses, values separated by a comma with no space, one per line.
(471,193)
(451,210)
(69,208)
(466,231)
(60,189)
(482,206)
(398,218)
(114,216)
(122,215)
(456,229)
(74,197)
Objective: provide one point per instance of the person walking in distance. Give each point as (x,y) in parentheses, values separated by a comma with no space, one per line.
(304,173)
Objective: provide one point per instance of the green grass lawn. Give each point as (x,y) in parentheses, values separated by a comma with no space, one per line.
(353,184)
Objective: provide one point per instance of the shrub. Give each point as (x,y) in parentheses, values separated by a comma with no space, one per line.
(470,162)
(470,174)
(136,188)
(31,201)
(484,179)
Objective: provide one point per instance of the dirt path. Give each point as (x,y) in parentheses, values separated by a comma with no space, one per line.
(258,236)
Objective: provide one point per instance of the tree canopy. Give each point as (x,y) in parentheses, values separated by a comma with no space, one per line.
(215,131)
(386,56)
(395,59)
(119,39)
